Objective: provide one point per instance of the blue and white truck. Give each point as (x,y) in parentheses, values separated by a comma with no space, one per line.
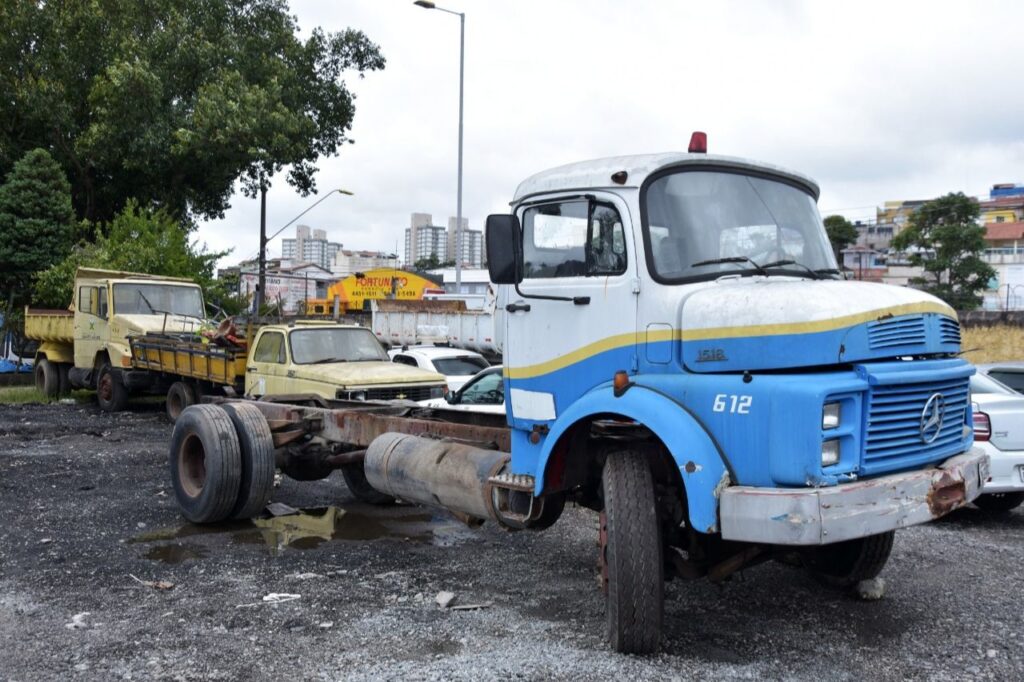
(681,356)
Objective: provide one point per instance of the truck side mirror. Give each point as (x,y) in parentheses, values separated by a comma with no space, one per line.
(504,249)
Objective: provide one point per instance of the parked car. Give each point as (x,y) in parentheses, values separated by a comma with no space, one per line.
(1010,374)
(483,393)
(999,431)
(457,365)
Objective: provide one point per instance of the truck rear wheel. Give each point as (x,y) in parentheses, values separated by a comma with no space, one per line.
(63,370)
(179,396)
(999,502)
(111,393)
(632,554)
(355,480)
(206,464)
(844,564)
(257,451)
(47,378)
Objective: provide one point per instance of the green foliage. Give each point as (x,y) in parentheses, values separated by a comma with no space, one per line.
(945,239)
(431,262)
(841,233)
(35,221)
(172,101)
(137,240)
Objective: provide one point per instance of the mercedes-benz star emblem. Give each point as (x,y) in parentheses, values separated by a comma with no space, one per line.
(931,417)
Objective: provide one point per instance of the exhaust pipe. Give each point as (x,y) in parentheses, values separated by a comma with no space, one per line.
(436,473)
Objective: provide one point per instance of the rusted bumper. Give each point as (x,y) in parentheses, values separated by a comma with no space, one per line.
(820,516)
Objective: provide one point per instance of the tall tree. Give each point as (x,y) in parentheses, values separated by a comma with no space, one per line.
(841,233)
(172,101)
(35,222)
(944,238)
(137,240)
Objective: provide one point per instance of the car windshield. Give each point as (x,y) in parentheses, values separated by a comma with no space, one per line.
(460,366)
(486,390)
(152,299)
(692,217)
(335,345)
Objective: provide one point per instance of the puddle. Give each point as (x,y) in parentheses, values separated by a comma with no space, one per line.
(309,529)
(175,554)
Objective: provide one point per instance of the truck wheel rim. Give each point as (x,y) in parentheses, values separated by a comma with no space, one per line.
(192,465)
(174,405)
(106,387)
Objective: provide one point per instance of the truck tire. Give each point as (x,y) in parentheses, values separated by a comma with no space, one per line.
(179,396)
(999,503)
(632,554)
(844,564)
(47,378)
(206,464)
(63,369)
(111,393)
(257,451)
(355,480)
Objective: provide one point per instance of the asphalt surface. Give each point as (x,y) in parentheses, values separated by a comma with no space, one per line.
(90,539)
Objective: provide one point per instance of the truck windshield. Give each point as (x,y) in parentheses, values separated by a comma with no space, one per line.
(695,216)
(311,346)
(153,299)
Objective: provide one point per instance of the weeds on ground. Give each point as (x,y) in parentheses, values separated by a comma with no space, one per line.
(29,395)
(996,343)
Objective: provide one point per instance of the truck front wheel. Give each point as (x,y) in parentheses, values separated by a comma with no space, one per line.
(844,564)
(355,479)
(111,393)
(47,378)
(631,554)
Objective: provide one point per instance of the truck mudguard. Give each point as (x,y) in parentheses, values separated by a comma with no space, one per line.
(703,466)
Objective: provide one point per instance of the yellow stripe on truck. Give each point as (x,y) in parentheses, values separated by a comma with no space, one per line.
(810,327)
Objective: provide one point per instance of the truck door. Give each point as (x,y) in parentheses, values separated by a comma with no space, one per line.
(572,323)
(265,370)
(91,325)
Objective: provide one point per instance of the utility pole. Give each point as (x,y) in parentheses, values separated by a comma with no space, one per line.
(261,287)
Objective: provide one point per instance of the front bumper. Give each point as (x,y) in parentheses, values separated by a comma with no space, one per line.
(820,516)
(1007,469)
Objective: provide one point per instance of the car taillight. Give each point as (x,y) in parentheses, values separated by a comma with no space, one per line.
(982,426)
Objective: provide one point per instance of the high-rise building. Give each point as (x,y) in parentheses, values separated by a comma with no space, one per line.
(310,246)
(472,244)
(423,240)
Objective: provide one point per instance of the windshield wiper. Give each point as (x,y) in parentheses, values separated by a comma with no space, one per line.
(324,361)
(759,269)
(828,271)
(779,263)
(148,304)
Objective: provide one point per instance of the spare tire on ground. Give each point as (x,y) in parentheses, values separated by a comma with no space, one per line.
(206,464)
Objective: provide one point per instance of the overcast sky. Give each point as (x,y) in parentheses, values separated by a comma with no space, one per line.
(875,100)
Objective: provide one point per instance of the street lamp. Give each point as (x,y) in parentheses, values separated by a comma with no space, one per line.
(426,4)
(264,239)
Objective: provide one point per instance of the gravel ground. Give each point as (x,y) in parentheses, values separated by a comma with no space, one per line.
(88,514)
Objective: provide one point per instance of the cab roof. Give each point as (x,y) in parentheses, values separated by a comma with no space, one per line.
(96,273)
(597,173)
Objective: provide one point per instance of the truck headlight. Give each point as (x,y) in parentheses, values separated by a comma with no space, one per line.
(830,416)
(830,452)
(437,392)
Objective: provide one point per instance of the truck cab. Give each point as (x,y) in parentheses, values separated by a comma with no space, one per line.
(699,341)
(334,361)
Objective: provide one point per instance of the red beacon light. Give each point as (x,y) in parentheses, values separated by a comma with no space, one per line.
(698,143)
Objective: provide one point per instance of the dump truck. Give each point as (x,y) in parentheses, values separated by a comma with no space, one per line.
(134,334)
(447,322)
(681,356)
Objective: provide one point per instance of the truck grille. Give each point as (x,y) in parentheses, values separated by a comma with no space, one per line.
(390,393)
(949,331)
(900,331)
(893,439)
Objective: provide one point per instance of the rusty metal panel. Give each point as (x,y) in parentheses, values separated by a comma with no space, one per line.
(361,423)
(820,516)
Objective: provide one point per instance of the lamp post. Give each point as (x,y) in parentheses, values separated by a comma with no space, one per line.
(264,239)
(426,4)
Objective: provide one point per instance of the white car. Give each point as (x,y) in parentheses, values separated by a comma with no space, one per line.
(999,431)
(483,393)
(457,366)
